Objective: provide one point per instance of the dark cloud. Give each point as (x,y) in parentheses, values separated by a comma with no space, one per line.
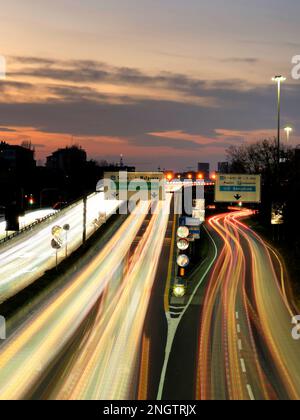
(242,110)
(7,85)
(73,93)
(72,107)
(7,130)
(96,72)
(246,60)
(176,144)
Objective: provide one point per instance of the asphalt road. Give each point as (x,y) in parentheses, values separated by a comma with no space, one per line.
(114,332)
(88,342)
(246,349)
(234,341)
(27,257)
(155,329)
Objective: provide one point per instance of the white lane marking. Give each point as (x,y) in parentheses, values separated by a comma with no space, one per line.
(250,392)
(240,345)
(237,315)
(239,328)
(244,370)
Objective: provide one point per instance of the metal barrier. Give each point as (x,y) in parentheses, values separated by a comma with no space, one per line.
(44,219)
(27,228)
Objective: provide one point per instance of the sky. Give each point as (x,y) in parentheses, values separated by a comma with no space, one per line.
(166,83)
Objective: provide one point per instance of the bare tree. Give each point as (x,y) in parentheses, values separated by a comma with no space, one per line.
(259,157)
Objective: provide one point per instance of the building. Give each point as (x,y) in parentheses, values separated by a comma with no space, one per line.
(204,169)
(17,159)
(17,173)
(68,161)
(223,167)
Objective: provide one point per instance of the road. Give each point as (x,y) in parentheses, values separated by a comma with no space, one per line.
(112,333)
(246,350)
(105,307)
(26,258)
(28,219)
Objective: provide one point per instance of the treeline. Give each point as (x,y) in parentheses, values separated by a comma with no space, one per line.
(280,184)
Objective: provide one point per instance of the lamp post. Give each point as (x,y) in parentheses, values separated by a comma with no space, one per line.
(278,80)
(288,131)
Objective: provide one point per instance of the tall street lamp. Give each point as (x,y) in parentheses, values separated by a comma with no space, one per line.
(288,131)
(278,80)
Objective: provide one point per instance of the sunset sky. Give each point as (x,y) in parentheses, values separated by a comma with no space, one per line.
(164,82)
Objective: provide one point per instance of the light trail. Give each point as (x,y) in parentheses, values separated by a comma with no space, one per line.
(106,363)
(26,258)
(27,220)
(231,361)
(27,354)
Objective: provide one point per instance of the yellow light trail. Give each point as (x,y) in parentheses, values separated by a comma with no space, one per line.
(106,363)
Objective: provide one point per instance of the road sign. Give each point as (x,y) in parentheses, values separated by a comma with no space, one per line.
(183,232)
(56,231)
(57,241)
(183,244)
(192,221)
(195,232)
(125,185)
(199,214)
(56,244)
(183,261)
(231,188)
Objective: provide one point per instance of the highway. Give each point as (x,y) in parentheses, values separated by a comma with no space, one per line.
(111,331)
(27,257)
(26,220)
(246,350)
(104,307)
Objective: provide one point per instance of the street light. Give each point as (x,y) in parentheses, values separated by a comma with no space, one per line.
(288,131)
(278,80)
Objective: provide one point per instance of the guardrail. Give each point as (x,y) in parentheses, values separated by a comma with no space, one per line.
(26,228)
(39,221)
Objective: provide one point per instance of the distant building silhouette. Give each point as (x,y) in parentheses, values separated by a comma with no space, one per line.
(68,161)
(16,159)
(17,171)
(204,168)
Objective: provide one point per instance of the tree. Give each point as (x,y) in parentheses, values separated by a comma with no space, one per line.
(261,158)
